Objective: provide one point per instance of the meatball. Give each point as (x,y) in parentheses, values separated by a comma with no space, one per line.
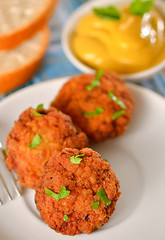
(34,137)
(78,191)
(102,111)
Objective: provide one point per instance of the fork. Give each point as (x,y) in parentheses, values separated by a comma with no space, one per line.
(9,189)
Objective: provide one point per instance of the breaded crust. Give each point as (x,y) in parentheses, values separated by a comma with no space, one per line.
(74,99)
(56,131)
(83,181)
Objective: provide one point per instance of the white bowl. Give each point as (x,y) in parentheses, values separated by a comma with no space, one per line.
(70,27)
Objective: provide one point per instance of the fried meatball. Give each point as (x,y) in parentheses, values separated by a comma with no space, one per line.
(84,180)
(27,153)
(74,99)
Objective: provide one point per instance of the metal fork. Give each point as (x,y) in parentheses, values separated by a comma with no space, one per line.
(9,189)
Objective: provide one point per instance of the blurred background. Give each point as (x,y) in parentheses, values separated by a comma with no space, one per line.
(55,64)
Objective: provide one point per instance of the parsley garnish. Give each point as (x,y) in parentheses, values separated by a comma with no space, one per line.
(97,111)
(107,13)
(76,159)
(35,141)
(118,114)
(139,7)
(96,81)
(62,194)
(95,205)
(4,152)
(65,217)
(105,160)
(102,195)
(39,107)
(116,100)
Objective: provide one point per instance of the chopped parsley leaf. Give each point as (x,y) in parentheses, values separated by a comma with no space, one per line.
(39,107)
(62,194)
(97,111)
(51,193)
(140,7)
(4,152)
(37,114)
(118,114)
(95,205)
(65,217)
(76,159)
(116,100)
(96,81)
(107,13)
(102,195)
(35,141)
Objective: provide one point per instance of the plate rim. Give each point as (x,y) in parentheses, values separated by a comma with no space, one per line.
(65,78)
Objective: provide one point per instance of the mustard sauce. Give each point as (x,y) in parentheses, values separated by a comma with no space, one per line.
(128,45)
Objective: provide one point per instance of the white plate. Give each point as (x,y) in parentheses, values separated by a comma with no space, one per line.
(137,157)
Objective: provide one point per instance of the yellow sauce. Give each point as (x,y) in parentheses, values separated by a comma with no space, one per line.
(128,45)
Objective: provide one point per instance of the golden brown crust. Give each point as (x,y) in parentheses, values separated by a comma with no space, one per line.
(17,77)
(14,38)
(83,181)
(56,131)
(74,99)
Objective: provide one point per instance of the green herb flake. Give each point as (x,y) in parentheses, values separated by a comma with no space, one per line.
(51,193)
(116,100)
(62,194)
(37,114)
(108,13)
(96,81)
(95,205)
(4,152)
(118,114)
(102,195)
(140,7)
(76,159)
(105,160)
(93,85)
(35,141)
(65,218)
(97,111)
(39,107)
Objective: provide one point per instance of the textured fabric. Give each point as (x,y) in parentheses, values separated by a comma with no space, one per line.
(55,64)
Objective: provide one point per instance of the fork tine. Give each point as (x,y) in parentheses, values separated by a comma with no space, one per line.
(5,195)
(16,185)
(9,189)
